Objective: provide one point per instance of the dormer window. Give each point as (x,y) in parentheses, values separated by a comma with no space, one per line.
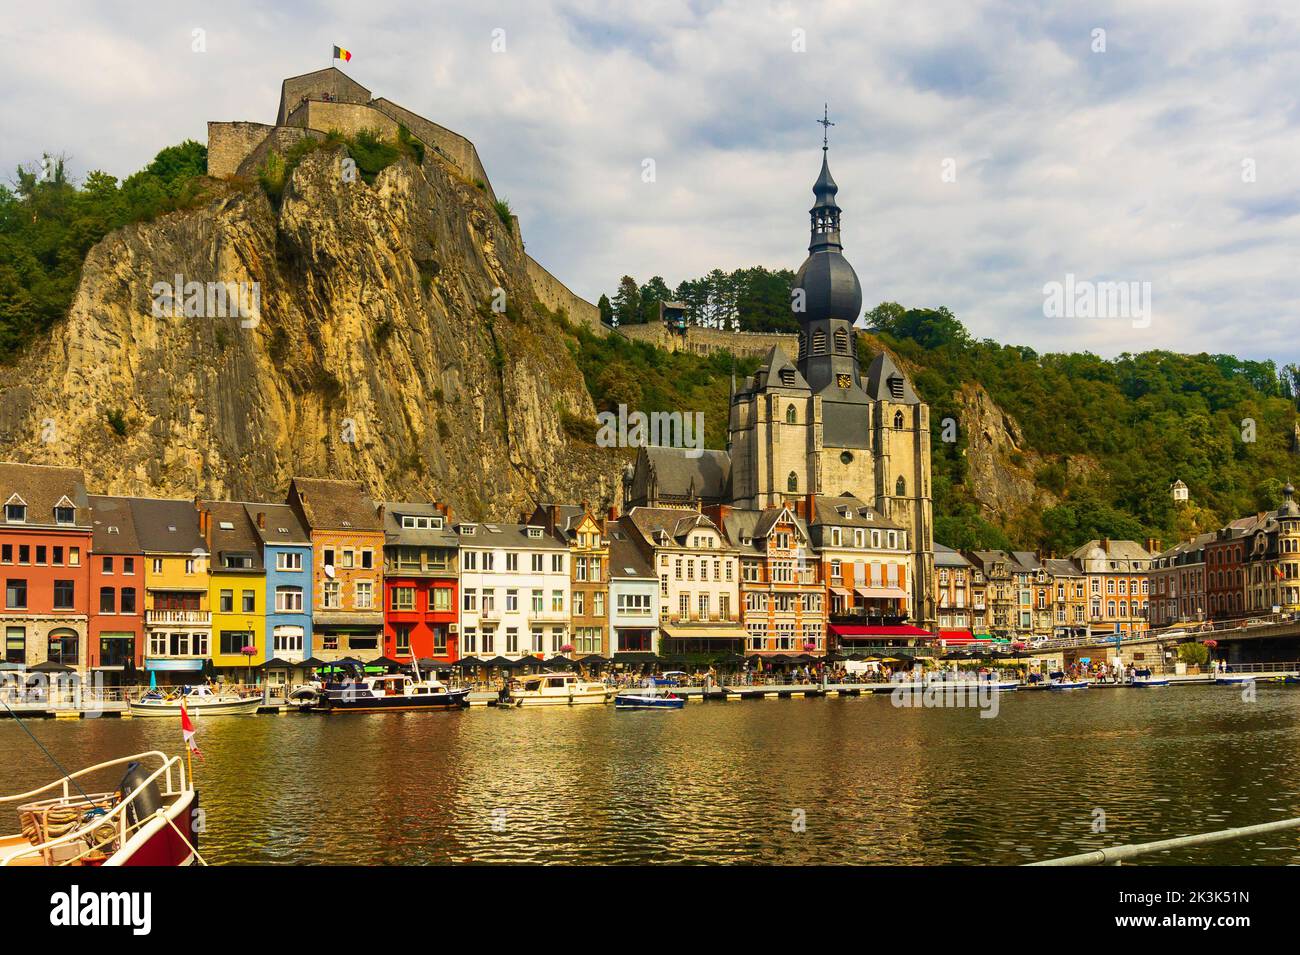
(896,388)
(787,377)
(65,512)
(467,530)
(16,510)
(534,532)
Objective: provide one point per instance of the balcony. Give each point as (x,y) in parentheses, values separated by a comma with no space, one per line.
(178,618)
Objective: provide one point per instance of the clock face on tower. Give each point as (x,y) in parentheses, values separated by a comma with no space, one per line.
(843,380)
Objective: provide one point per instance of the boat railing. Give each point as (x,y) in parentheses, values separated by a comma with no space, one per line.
(116,816)
(1117,855)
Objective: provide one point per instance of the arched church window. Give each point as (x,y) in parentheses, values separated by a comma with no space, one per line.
(900,488)
(841,341)
(898,421)
(792,482)
(819,342)
(791,416)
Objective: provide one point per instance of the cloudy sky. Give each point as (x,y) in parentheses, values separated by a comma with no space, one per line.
(1165,150)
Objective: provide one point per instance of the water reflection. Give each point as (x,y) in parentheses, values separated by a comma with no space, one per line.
(720,783)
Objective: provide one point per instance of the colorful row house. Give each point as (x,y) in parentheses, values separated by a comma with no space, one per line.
(421,584)
(45,540)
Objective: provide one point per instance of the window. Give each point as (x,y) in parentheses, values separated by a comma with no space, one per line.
(792,482)
(403,598)
(15,645)
(441,597)
(287,640)
(16,513)
(227,601)
(64,594)
(108,567)
(469,638)
(557,563)
(367,559)
(63,646)
(234,641)
(128,600)
(288,560)
(288,599)
(330,595)
(900,487)
(65,515)
(249,601)
(107,600)
(365,594)
(16,594)
(557,601)
(327,556)
(402,637)
(512,561)
(157,565)
(791,416)
(7,553)
(898,419)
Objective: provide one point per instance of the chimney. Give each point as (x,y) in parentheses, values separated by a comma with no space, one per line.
(586,506)
(810,507)
(1105,544)
(261,520)
(446,512)
(553,518)
(523,517)
(380,511)
(612,514)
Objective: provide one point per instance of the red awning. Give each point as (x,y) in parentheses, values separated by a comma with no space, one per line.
(866,630)
(959,637)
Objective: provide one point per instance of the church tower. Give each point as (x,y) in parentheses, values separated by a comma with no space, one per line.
(818,425)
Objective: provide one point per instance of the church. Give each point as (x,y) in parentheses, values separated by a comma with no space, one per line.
(815,424)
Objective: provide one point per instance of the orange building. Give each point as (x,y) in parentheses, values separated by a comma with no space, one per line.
(347,540)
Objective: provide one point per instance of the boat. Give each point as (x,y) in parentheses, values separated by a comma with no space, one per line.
(557,689)
(1234,679)
(393,691)
(199,701)
(1144,678)
(1063,684)
(648,698)
(1292,680)
(145,821)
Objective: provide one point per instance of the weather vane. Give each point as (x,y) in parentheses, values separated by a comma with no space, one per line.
(826,125)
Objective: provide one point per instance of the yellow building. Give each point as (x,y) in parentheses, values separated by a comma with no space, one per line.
(177,617)
(236,589)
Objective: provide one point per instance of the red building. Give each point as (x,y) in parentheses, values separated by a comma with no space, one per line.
(44,554)
(1225,573)
(116,644)
(421,570)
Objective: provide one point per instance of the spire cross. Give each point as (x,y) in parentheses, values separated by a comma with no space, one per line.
(826,125)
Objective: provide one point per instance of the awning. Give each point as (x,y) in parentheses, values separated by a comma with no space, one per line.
(857,630)
(706,633)
(162,665)
(882,593)
(841,592)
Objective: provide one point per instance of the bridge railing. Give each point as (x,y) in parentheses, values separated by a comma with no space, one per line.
(1117,855)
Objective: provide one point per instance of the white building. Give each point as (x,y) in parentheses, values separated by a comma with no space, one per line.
(514,590)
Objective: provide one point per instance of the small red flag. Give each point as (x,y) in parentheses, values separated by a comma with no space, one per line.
(187,731)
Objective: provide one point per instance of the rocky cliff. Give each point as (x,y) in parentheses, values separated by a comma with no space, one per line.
(397,342)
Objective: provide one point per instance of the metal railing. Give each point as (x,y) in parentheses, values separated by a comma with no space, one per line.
(1115,855)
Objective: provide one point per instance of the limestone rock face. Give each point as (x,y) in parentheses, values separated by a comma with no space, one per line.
(1000,470)
(375,354)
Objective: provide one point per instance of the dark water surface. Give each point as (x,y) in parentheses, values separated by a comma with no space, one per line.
(721,782)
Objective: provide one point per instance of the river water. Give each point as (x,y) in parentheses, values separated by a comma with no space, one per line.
(840,781)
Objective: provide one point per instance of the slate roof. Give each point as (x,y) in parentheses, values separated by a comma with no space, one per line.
(240,537)
(677,523)
(165,526)
(742,523)
(878,375)
(41,487)
(1062,567)
(626,560)
(282,525)
(945,556)
(489,534)
(113,526)
(678,475)
(330,505)
(848,511)
(416,536)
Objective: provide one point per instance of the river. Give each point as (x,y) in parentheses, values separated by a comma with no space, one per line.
(840,781)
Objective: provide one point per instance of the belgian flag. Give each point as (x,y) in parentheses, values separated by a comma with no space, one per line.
(342,54)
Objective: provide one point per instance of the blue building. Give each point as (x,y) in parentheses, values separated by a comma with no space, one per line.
(286,552)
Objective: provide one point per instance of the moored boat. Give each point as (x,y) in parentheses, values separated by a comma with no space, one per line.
(1063,684)
(1149,681)
(146,821)
(557,689)
(1234,679)
(394,691)
(648,698)
(198,701)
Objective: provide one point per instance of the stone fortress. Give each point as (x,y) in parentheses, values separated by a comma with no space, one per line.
(314,104)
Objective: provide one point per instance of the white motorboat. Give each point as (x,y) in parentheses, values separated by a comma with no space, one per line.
(199,701)
(146,821)
(557,689)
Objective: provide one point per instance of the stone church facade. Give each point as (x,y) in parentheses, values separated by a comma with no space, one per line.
(815,423)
